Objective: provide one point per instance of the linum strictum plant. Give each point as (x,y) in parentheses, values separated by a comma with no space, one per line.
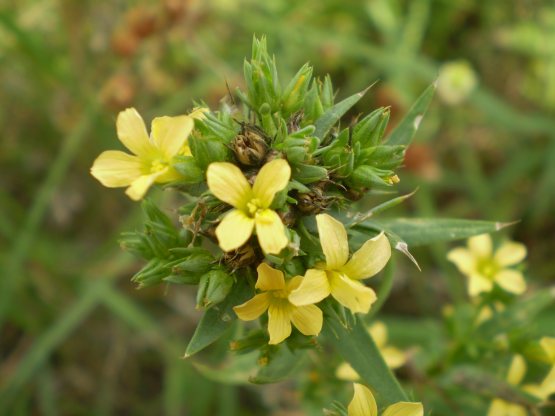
(268,229)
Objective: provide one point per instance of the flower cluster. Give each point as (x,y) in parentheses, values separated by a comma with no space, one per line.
(257,180)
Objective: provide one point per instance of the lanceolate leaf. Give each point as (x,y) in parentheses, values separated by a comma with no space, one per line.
(356,346)
(406,129)
(422,231)
(216,320)
(332,116)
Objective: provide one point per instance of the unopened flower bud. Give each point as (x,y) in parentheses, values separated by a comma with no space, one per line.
(214,286)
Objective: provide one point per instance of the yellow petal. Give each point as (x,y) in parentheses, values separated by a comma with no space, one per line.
(511,280)
(363,403)
(293,283)
(404,409)
(378,331)
(510,253)
(313,288)
(270,231)
(140,185)
(369,259)
(548,383)
(169,175)
(269,278)
(253,308)
(498,407)
(228,184)
(346,372)
(517,370)
(234,230)
(279,321)
(114,168)
(307,319)
(463,259)
(478,284)
(198,113)
(393,357)
(170,133)
(132,132)
(272,178)
(480,245)
(333,239)
(548,345)
(351,293)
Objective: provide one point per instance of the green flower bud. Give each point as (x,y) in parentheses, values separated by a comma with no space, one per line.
(195,263)
(213,288)
(369,130)
(207,150)
(187,166)
(151,274)
(309,173)
(366,176)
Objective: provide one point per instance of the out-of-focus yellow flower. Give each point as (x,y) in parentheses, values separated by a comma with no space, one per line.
(364,404)
(151,161)
(515,375)
(252,204)
(455,82)
(281,313)
(393,357)
(483,267)
(340,276)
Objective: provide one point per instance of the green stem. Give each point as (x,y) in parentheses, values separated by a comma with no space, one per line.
(384,290)
(356,346)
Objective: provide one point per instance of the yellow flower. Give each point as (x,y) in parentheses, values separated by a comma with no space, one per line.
(364,404)
(340,276)
(281,313)
(151,161)
(516,373)
(483,267)
(252,204)
(393,357)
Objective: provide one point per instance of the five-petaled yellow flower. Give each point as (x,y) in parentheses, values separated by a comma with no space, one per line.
(393,357)
(483,267)
(364,404)
(340,276)
(151,161)
(281,313)
(515,375)
(251,204)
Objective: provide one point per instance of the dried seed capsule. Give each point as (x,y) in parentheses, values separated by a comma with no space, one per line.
(313,202)
(242,257)
(250,146)
(288,217)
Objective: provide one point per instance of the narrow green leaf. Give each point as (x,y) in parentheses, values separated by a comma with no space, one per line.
(356,346)
(422,231)
(216,320)
(361,217)
(332,116)
(406,129)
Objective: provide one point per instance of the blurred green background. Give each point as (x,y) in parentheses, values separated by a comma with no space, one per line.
(76,337)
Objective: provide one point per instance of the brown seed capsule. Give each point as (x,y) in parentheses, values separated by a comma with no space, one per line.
(313,202)
(273,155)
(288,217)
(250,146)
(354,194)
(242,257)
(294,122)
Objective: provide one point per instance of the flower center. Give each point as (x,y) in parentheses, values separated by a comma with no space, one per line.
(158,165)
(254,207)
(488,268)
(280,294)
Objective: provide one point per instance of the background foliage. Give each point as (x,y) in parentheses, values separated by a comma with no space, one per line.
(75,335)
